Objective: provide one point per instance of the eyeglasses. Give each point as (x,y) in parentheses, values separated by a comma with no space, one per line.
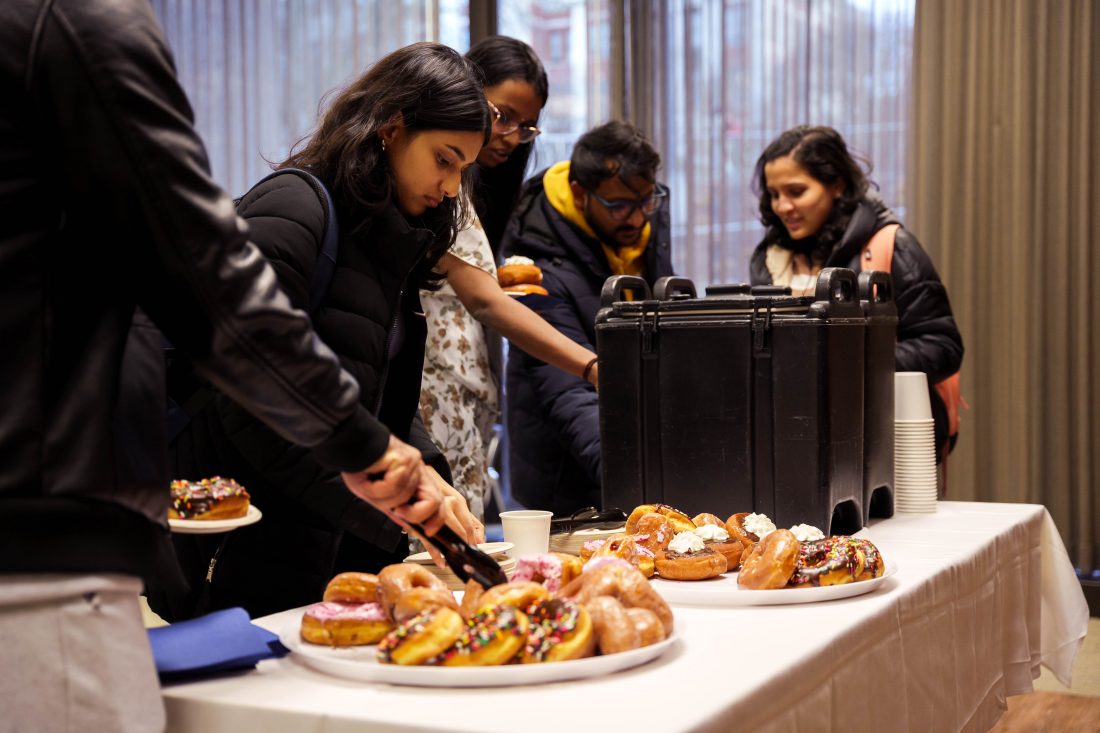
(505,125)
(621,210)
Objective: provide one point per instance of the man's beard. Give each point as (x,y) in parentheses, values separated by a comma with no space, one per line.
(609,237)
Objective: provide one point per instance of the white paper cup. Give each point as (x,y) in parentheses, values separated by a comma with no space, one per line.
(911,396)
(528,530)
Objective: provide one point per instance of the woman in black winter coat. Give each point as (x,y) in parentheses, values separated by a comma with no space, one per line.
(819,212)
(393,149)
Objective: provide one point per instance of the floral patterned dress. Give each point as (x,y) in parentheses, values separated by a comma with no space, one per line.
(458,396)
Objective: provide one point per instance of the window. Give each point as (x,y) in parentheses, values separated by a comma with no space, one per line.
(257,72)
(732,74)
(572,37)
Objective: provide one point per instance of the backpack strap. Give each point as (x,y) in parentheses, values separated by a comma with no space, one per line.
(330,241)
(878,253)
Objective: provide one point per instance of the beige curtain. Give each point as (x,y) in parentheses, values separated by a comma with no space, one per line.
(258,71)
(714,81)
(1005,194)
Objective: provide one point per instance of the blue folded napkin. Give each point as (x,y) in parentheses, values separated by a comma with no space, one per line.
(212,644)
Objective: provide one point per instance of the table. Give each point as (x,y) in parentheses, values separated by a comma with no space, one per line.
(984,593)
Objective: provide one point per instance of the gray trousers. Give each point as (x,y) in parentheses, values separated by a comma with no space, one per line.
(75,656)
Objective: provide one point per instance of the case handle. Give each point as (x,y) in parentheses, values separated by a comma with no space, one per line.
(669,287)
(876,286)
(770,290)
(616,285)
(837,285)
(729,289)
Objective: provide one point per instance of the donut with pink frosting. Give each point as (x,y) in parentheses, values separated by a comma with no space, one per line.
(551,569)
(344,624)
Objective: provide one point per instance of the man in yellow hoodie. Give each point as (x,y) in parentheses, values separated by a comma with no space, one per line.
(601,213)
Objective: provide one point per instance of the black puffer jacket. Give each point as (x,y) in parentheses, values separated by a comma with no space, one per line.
(553,417)
(928,339)
(286,559)
(106,203)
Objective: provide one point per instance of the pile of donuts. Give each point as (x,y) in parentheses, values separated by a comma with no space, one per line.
(553,612)
(662,540)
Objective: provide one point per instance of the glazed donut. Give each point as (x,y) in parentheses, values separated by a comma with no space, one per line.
(615,630)
(352,588)
(344,624)
(521,595)
(515,274)
(835,561)
(625,583)
(653,531)
(210,498)
(527,289)
(648,625)
(715,537)
(418,600)
(395,580)
(771,562)
(560,630)
(552,569)
(697,565)
(470,597)
(493,636)
(589,547)
(619,545)
(680,522)
(423,637)
(595,564)
(705,518)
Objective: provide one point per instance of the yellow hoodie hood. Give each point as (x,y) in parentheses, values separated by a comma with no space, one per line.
(623,261)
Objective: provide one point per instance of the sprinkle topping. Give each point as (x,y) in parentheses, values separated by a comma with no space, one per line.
(191,498)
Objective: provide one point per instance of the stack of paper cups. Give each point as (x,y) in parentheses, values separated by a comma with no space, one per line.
(915,477)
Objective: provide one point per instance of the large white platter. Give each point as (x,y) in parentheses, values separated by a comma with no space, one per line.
(723,591)
(215,526)
(359,663)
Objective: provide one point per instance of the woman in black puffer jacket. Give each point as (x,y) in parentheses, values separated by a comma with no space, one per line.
(819,212)
(392,149)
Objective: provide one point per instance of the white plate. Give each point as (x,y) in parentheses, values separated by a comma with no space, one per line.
(571,543)
(360,663)
(214,526)
(723,591)
(492,549)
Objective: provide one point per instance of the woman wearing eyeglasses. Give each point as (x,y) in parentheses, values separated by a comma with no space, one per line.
(459,393)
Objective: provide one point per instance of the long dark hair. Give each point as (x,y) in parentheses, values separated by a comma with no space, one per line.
(824,154)
(432,87)
(501,58)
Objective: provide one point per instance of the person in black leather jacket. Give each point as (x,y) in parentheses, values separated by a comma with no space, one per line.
(601,213)
(106,203)
(392,149)
(819,211)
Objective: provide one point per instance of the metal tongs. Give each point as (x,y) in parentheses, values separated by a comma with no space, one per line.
(588,518)
(465,560)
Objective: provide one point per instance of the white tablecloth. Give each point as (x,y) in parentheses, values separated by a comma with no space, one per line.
(984,593)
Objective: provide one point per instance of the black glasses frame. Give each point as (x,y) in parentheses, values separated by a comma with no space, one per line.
(648,205)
